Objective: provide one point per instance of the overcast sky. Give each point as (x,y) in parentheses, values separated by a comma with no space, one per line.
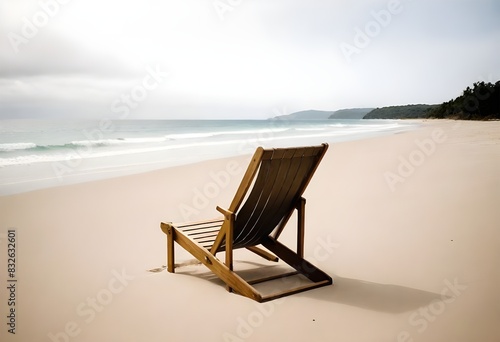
(219,59)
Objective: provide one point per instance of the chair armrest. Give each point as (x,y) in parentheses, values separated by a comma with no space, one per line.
(227,214)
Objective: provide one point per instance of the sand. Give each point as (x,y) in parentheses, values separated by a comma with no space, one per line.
(408,225)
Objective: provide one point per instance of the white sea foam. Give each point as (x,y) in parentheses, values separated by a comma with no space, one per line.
(16,146)
(311,129)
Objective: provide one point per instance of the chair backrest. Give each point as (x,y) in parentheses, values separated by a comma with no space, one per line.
(281,178)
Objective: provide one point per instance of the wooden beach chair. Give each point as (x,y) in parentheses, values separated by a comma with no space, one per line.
(270,191)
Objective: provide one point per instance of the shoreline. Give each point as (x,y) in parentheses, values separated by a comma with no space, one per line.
(406,224)
(21,178)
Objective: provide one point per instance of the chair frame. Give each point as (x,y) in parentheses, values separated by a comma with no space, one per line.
(224,270)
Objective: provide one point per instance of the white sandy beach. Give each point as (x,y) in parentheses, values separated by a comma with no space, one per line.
(408,225)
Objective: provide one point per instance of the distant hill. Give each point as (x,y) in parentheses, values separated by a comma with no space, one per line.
(305,115)
(401,112)
(352,113)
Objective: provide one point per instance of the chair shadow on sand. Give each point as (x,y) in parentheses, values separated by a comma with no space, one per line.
(353,292)
(374,296)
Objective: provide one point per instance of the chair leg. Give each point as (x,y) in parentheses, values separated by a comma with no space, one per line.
(229,247)
(301,209)
(265,254)
(169,231)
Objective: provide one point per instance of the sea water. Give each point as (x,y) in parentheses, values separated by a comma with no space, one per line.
(37,154)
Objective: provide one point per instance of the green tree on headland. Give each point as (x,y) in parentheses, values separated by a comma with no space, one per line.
(482,102)
(400,112)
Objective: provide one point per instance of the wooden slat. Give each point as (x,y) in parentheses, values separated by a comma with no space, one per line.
(203,239)
(184,225)
(204,233)
(201,228)
(207,243)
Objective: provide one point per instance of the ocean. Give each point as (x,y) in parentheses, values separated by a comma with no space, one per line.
(37,154)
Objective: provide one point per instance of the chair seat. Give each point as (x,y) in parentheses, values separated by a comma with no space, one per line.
(203,233)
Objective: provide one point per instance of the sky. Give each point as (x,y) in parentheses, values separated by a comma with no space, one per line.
(238,59)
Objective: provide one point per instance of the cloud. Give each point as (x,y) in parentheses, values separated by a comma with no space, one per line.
(52,54)
(259,56)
